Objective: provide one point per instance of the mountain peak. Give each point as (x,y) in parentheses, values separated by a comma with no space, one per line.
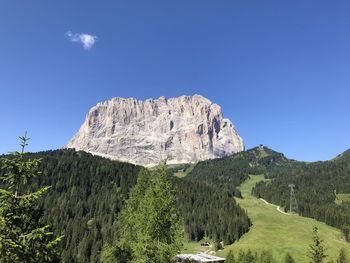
(180,130)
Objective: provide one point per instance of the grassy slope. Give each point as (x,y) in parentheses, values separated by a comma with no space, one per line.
(281,233)
(342,198)
(193,247)
(183,172)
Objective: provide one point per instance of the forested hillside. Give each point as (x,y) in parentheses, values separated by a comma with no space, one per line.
(209,211)
(86,196)
(318,186)
(322,188)
(229,172)
(88,192)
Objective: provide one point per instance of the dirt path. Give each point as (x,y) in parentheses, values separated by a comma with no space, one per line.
(278,208)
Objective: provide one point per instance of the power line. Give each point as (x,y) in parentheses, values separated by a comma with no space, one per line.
(293,205)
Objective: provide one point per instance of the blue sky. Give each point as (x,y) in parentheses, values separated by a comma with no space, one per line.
(279,69)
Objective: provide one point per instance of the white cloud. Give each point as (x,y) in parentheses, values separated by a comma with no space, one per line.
(87,40)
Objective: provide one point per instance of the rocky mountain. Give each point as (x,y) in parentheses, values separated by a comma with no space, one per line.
(180,130)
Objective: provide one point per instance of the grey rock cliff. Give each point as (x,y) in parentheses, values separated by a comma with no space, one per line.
(179,130)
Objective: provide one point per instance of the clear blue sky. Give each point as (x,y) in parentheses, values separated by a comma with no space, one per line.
(279,69)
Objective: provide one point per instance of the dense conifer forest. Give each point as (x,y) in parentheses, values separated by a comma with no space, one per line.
(209,211)
(86,196)
(88,192)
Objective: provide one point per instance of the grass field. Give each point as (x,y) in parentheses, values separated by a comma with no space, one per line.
(281,233)
(183,172)
(195,247)
(342,198)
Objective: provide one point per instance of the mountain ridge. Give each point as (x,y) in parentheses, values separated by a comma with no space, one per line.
(184,129)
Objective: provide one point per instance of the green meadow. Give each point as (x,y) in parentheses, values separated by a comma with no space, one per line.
(282,233)
(184,171)
(342,198)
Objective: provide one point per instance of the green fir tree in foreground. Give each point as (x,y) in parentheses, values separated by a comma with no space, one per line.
(148,229)
(22,236)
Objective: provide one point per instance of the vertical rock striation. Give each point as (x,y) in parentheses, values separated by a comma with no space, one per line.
(179,130)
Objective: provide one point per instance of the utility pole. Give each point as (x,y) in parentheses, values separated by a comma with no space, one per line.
(293,205)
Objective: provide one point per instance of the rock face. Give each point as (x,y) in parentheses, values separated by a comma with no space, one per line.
(180,130)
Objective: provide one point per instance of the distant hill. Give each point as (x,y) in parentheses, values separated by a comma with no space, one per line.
(343,157)
(322,188)
(318,185)
(230,171)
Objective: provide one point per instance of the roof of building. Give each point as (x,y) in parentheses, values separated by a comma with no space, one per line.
(201,257)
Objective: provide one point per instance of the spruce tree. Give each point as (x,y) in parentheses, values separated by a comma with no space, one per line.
(149,227)
(317,250)
(23,237)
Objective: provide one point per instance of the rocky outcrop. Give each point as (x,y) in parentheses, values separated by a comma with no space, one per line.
(178,130)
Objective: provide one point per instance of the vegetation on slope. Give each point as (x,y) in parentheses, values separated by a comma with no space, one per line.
(23,237)
(148,229)
(230,171)
(180,170)
(88,192)
(319,187)
(209,211)
(281,233)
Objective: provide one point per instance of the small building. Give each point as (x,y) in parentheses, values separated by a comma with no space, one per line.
(199,258)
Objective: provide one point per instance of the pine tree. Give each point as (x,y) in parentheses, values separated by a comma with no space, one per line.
(22,236)
(342,257)
(149,227)
(317,251)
